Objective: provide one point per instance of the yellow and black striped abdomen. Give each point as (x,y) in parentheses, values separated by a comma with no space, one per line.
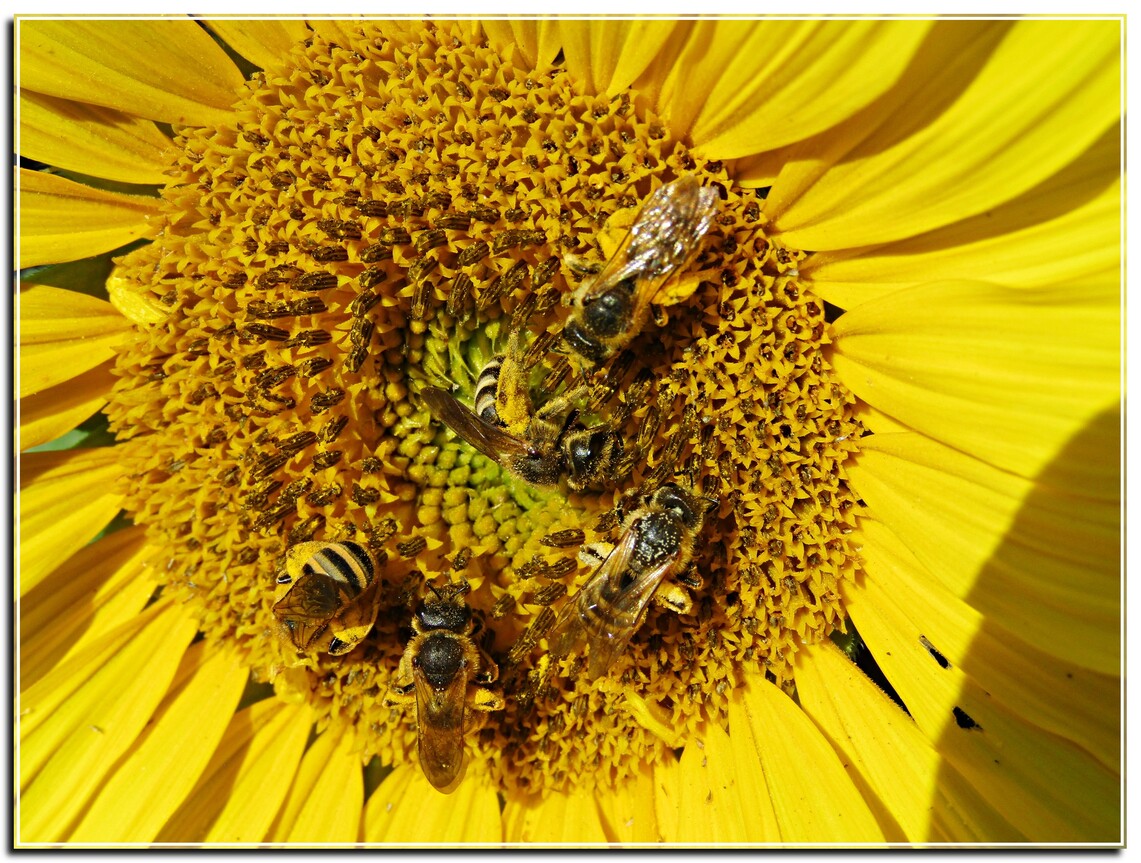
(346,563)
(487,391)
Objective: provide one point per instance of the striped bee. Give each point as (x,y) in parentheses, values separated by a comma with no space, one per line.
(327,596)
(447,673)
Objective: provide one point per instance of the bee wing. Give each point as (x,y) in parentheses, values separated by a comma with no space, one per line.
(606,612)
(354,622)
(315,597)
(664,236)
(305,609)
(440,730)
(631,606)
(492,441)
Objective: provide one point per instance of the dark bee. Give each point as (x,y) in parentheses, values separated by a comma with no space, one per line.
(612,306)
(657,542)
(537,445)
(446,673)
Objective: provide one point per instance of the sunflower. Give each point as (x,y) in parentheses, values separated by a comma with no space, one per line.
(891,368)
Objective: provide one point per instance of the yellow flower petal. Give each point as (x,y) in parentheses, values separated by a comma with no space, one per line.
(561,819)
(535,42)
(95,141)
(1066,227)
(63,334)
(792,79)
(723,796)
(1047,91)
(326,796)
(166,761)
(1046,687)
(405,808)
(1010,376)
(168,70)
(894,765)
(133,300)
(65,499)
(812,793)
(609,55)
(56,411)
(337,32)
(1033,558)
(242,788)
(626,817)
(264,43)
(65,760)
(40,701)
(61,220)
(1046,787)
(97,589)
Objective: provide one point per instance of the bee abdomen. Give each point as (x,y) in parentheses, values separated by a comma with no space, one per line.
(486,390)
(347,563)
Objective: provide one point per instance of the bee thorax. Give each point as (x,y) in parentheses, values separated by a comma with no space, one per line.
(609,315)
(659,537)
(441,658)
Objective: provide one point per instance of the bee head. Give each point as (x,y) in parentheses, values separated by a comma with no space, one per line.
(444,614)
(581,342)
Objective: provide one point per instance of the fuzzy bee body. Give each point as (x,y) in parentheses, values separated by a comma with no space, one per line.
(327,596)
(447,674)
(657,542)
(612,307)
(537,445)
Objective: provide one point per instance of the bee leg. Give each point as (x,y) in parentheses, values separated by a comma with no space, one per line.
(659,314)
(593,554)
(486,699)
(691,578)
(488,668)
(580,266)
(396,697)
(674,597)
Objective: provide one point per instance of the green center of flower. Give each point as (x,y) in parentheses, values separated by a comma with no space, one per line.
(370,224)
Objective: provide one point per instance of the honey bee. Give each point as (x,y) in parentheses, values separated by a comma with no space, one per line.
(657,542)
(612,306)
(538,446)
(327,596)
(446,672)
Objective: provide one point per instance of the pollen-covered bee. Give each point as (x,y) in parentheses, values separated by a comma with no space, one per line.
(447,673)
(657,542)
(537,445)
(612,305)
(327,596)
